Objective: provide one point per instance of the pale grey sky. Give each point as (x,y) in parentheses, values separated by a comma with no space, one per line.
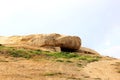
(97,22)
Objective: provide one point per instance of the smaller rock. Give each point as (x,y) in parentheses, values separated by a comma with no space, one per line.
(88,51)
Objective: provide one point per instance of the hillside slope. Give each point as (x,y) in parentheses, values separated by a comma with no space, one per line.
(25,64)
(39,57)
(104,70)
(21,69)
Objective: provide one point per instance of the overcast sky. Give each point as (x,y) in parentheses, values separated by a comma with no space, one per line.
(96,22)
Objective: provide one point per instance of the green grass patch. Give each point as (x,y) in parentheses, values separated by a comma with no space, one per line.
(14,52)
(89,58)
(26,53)
(66,55)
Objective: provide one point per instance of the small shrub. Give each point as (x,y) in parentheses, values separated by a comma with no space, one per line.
(38,52)
(118,71)
(74,78)
(59,60)
(89,58)
(117,66)
(3,60)
(97,78)
(63,55)
(79,64)
(53,74)
(20,53)
(86,76)
(1,45)
(68,61)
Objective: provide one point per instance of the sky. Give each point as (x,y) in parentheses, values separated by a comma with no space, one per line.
(96,22)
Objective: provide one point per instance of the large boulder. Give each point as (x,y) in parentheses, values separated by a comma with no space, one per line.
(54,40)
(69,43)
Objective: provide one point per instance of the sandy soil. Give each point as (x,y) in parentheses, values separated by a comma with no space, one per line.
(45,69)
(103,70)
(22,69)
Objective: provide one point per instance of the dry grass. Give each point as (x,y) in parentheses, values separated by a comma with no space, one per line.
(25,64)
(117,64)
(22,69)
(103,70)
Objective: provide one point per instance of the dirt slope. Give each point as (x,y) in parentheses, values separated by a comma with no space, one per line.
(22,69)
(103,70)
(12,68)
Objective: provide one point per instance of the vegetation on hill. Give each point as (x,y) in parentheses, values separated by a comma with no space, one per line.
(27,64)
(29,54)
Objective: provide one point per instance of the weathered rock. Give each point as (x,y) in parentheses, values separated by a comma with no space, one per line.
(69,42)
(46,40)
(56,40)
(42,40)
(88,51)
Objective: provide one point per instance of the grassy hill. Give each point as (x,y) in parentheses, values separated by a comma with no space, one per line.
(27,64)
